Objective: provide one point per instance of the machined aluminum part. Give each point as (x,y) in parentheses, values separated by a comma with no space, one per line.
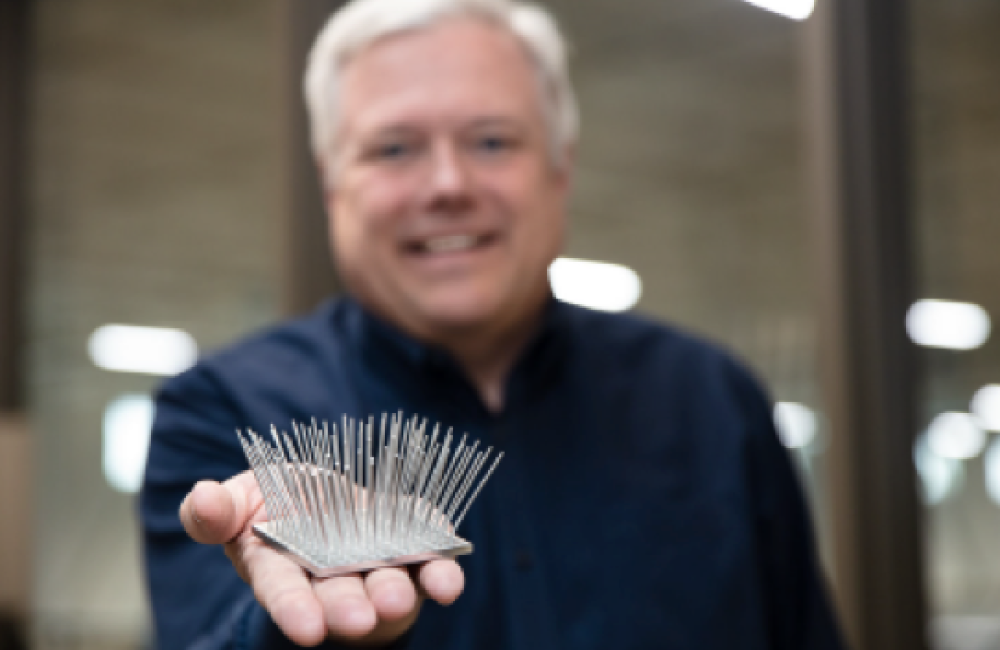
(347,500)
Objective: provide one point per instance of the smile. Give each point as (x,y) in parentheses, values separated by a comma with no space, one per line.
(450,244)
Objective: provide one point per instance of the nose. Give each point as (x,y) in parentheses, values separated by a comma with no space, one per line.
(450,179)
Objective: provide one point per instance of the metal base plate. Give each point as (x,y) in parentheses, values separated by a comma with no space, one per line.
(458,547)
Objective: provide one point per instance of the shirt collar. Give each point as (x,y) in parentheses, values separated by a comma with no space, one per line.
(385,345)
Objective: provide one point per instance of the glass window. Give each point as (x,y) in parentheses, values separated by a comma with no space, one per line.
(956,108)
(691,173)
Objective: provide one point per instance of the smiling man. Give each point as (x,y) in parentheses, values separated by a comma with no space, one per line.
(644,500)
(446,204)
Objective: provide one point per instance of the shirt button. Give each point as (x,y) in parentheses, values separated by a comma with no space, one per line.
(523,561)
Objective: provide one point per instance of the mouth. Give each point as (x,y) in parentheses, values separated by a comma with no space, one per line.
(450,244)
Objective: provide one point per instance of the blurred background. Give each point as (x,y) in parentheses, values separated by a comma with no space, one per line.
(157,202)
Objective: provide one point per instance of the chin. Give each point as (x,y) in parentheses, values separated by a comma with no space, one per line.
(459,311)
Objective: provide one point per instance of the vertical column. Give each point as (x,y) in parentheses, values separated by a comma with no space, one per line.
(309,273)
(13,175)
(15,466)
(856,89)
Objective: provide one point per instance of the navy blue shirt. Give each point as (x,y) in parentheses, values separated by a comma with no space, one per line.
(644,500)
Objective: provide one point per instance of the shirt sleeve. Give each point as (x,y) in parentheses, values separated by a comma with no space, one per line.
(198,601)
(799,612)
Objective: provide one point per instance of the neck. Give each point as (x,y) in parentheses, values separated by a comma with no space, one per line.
(486,353)
(488,359)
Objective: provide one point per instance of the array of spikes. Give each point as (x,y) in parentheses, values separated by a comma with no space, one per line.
(351,496)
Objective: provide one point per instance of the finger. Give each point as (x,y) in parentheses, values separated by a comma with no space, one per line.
(208,513)
(285,592)
(349,614)
(442,580)
(214,513)
(392,593)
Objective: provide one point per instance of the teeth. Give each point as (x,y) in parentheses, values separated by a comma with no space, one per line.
(450,244)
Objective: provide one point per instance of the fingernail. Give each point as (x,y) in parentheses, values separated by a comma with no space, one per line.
(439,581)
(313,627)
(194,510)
(358,617)
(435,584)
(308,624)
(390,598)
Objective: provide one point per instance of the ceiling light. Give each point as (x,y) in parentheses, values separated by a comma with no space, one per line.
(795,9)
(147,350)
(939,477)
(986,407)
(955,435)
(991,464)
(597,285)
(947,324)
(796,424)
(127,423)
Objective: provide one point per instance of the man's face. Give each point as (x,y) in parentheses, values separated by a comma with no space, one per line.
(446,208)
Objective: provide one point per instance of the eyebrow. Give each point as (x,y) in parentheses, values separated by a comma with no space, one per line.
(496,121)
(405,127)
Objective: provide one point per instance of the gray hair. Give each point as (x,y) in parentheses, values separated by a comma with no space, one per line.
(362,22)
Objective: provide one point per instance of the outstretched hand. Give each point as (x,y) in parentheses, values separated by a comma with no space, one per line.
(370,609)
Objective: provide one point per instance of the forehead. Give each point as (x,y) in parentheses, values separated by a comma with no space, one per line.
(459,69)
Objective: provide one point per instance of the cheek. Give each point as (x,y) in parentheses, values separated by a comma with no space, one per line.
(543,220)
(365,215)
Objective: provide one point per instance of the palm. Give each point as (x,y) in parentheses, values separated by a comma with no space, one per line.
(375,608)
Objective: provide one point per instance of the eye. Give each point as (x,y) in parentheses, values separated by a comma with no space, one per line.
(392,150)
(493,144)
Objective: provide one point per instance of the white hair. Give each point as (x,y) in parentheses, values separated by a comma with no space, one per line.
(362,22)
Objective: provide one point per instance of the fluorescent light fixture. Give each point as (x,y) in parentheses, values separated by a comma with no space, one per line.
(947,324)
(597,285)
(956,436)
(127,422)
(146,350)
(939,477)
(796,424)
(986,407)
(991,464)
(794,9)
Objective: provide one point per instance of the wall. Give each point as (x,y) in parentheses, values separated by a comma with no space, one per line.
(157,195)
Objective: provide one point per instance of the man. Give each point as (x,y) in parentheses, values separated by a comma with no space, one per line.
(644,500)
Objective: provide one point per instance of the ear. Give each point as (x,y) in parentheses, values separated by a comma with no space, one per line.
(326,185)
(569,164)
(563,170)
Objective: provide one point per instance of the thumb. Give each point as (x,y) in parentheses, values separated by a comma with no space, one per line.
(214,513)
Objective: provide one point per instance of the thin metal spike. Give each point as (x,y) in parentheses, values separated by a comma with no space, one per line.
(366,493)
(437,485)
(308,499)
(340,486)
(369,486)
(479,487)
(425,468)
(452,475)
(278,467)
(305,463)
(324,475)
(469,478)
(317,475)
(351,512)
(359,466)
(380,467)
(459,477)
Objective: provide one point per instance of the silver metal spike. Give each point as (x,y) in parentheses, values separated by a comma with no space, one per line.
(359,498)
